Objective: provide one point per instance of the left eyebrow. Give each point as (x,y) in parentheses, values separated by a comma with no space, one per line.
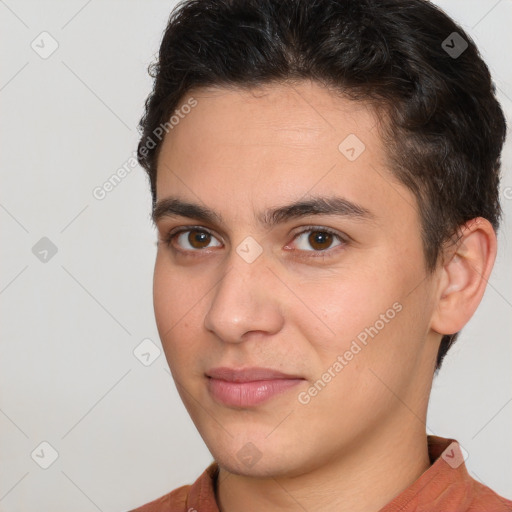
(330,205)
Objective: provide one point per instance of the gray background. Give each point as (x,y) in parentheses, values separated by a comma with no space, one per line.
(70,323)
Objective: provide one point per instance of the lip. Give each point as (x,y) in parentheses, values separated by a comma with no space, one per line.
(248,374)
(248,387)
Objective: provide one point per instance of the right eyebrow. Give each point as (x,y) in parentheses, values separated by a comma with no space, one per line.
(174,207)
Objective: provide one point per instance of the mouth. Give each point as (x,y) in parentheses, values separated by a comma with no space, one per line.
(248,387)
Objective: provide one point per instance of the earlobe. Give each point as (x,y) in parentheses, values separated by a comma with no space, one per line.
(466,270)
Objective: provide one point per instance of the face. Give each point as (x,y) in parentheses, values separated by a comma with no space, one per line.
(290,288)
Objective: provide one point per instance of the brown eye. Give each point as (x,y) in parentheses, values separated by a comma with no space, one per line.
(320,240)
(199,239)
(193,240)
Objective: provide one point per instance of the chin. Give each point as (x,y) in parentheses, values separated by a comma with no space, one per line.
(259,459)
(261,469)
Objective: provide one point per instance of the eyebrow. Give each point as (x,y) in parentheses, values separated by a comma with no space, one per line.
(330,205)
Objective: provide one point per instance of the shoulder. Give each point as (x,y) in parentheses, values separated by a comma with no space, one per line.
(187,498)
(484,498)
(459,490)
(175,501)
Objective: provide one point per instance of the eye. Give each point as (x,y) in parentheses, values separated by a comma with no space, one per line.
(317,239)
(314,239)
(191,239)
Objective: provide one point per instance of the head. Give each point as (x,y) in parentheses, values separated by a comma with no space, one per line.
(353,120)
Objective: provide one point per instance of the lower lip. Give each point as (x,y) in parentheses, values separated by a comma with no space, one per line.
(248,394)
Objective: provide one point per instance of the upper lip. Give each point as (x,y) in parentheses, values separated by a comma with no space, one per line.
(248,374)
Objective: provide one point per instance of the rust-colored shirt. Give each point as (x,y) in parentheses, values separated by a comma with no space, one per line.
(445,486)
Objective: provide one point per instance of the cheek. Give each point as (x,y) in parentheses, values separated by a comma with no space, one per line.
(337,309)
(176,291)
(176,299)
(369,317)
(164,297)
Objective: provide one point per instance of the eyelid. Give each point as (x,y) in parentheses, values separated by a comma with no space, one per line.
(323,229)
(168,237)
(343,238)
(181,229)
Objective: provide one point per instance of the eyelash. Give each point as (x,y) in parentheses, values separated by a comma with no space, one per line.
(315,254)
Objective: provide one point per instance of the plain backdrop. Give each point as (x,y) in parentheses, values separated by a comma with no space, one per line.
(76,274)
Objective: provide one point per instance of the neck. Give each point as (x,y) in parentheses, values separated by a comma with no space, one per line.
(364,480)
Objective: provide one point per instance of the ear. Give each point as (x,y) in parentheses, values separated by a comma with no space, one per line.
(465,271)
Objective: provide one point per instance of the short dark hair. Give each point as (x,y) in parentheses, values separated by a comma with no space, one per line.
(444,127)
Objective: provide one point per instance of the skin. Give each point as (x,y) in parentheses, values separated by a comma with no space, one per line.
(361,440)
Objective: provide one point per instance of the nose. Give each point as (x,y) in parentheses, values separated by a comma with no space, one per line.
(246,301)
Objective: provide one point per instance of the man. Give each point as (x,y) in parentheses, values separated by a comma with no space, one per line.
(325,185)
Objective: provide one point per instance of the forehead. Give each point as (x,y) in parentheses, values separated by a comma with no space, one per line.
(302,113)
(273,144)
